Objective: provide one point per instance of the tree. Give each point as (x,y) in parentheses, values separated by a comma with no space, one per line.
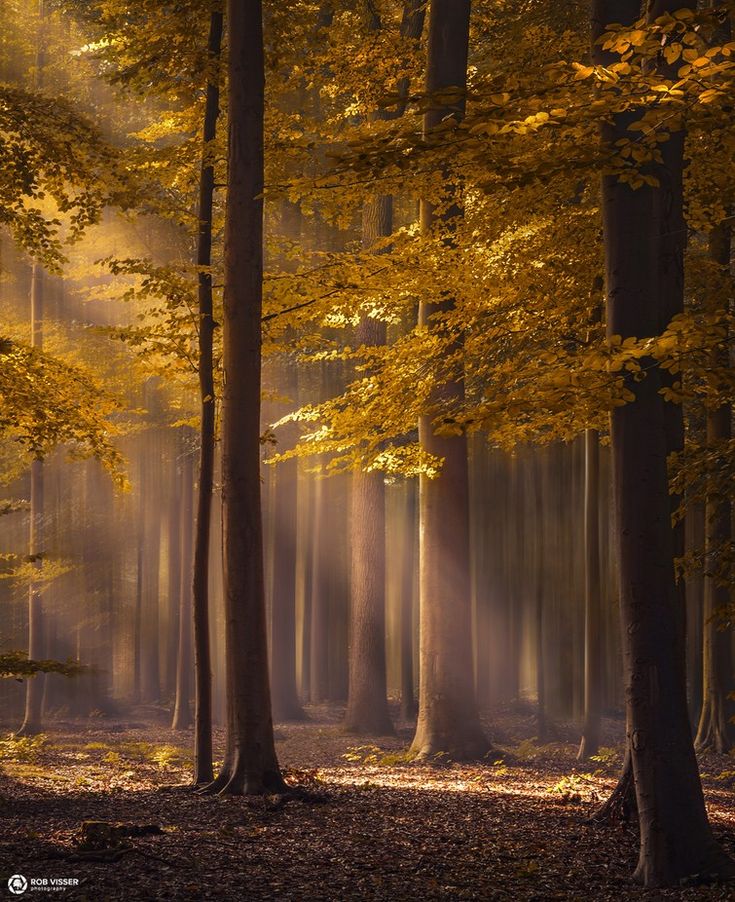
(448,721)
(36,639)
(250,765)
(182,707)
(203,670)
(675,837)
(715,729)
(367,700)
(592,613)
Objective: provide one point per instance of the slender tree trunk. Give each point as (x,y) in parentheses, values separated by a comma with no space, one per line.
(182,718)
(250,765)
(174,572)
(715,729)
(138,617)
(203,771)
(408,567)
(590,743)
(367,700)
(32,721)
(448,721)
(539,593)
(286,704)
(319,621)
(675,837)
(695,529)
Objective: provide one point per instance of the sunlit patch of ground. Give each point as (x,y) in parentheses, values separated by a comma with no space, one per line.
(510,828)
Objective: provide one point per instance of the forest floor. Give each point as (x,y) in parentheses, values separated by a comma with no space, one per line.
(379,827)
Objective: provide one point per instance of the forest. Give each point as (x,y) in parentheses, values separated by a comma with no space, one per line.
(367,463)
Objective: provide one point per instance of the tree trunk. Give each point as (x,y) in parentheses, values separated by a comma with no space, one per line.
(286,704)
(715,731)
(173,587)
(695,530)
(250,765)
(448,721)
(675,837)
(319,597)
(539,592)
(408,567)
(182,719)
(367,700)
(32,721)
(203,771)
(590,743)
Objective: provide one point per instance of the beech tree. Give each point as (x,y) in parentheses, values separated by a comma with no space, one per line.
(448,720)
(250,765)
(675,837)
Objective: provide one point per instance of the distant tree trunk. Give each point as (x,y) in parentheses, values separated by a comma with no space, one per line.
(715,731)
(448,721)
(675,837)
(138,617)
(367,700)
(695,519)
(318,594)
(203,771)
(182,719)
(250,765)
(408,567)
(286,704)
(590,743)
(539,593)
(174,572)
(304,564)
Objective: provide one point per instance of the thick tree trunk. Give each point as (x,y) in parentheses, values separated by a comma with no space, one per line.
(715,731)
(675,837)
(203,771)
(448,721)
(590,743)
(367,700)
(250,765)
(182,718)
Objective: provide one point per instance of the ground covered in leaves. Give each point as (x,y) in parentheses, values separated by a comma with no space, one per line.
(377,826)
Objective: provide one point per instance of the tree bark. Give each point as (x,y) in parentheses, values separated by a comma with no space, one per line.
(32,721)
(203,771)
(590,743)
(286,704)
(675,837)
(715,730)
(539,592)
(250,765)
(448,721)
(182,718)
(367,700)
(408,566)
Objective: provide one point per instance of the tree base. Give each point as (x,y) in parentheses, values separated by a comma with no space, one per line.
(29,728)
(715,866)
(472,746)
(288,712)
(369,726)
(621,805)
(237,779)
(588,747)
